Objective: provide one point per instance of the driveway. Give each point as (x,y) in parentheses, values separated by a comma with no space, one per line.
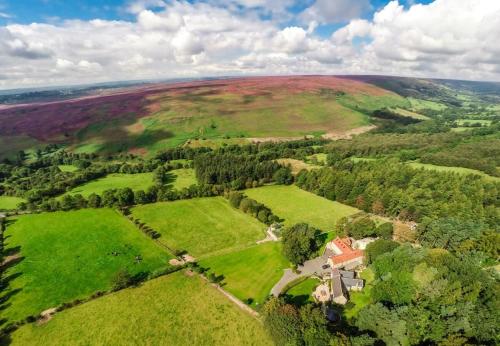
(309,268)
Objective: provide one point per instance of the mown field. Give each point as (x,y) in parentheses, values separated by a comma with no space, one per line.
(171,310)
(296,205)
(138,181)
(62,256)
(250,274)
(9,202)
(201,226)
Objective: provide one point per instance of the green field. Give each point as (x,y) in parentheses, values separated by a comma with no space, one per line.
(302,292)
(296,205)
(459,170)
(182,178)
(139,181)
(201,226)
(171,310)
(419,104)
(63,256)
(321,157)
(10,202)
(67,168)
(250,273)
(297,165)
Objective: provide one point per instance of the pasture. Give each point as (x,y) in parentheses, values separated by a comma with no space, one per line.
(170,310)
(139,181)
(10,202)
(68,168)
(320,157)
(201,226)
(296,205)
(297,165)
(458,170)
(181,178)
(62,256)
(249,274)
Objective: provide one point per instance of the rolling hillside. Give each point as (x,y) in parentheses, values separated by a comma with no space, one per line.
(145,119)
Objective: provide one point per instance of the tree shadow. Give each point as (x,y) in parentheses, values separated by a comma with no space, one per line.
(299,300)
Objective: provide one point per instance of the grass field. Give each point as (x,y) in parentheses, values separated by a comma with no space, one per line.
(171,310)
(296,205)
(302,292)
(321,157)
(63,256)
(419,104)
(139,181)
(459,170)
(250,273)
(409,114)
(201,226)
(10,202)
(182,178)
(67,168)
(297,165)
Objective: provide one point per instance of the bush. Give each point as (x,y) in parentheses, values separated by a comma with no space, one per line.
(385,230)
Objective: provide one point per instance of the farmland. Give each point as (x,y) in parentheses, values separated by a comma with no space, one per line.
(9,202)
(296,205)
(171,310)
(146,119)
(76,256)
(138,181)
(458,170)
(249,274)
(201,226)
(181,178)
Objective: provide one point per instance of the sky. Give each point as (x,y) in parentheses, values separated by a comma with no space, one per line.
(61,42)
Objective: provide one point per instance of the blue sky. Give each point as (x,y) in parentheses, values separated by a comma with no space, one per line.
(59,42)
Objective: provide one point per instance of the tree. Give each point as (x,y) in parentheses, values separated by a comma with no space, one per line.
(125,197)
(447,233)
(299,242)
(361,228)
(94,201)
(235,198)
(282,321)
(385,230)
(385,323)
(122,279)
(377,248)
(283,176)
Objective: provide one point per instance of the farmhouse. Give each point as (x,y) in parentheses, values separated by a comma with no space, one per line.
(343,254)
(343,282)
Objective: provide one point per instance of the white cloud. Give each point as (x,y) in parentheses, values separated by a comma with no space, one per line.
(335,11)
(447,38)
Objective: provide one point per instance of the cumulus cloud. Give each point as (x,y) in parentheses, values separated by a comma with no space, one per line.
(176,38)
(335,11)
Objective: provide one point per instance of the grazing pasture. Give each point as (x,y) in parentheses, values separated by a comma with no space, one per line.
(201,226)
(138,181)
(297,165)
(459,170)
(296,205)
(170,310)
(181,178)
(10,202)
(249,274)
(62,256)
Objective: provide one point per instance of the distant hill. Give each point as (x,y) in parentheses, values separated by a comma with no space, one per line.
(146,118)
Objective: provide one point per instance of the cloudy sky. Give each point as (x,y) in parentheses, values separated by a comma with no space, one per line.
(61,42)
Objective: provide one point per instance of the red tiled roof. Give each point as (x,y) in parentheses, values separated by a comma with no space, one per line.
(348,253)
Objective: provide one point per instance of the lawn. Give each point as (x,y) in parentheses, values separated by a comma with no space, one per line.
(182,178)
(301,293)
(359,300)
(296,205)
(171,310)
(201,226)
(9,202)
(250,274)
(139,181)
(68,255)
(68,168)
(459,170)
